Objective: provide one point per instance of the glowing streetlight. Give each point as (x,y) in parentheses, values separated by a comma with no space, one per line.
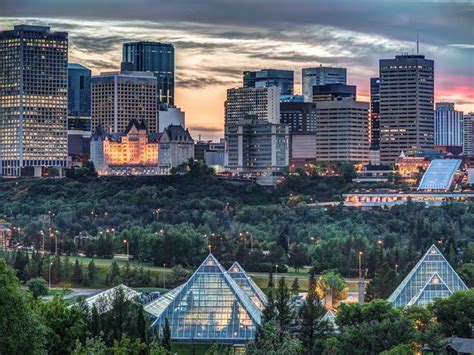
(360,263)
(126,242)
(49,273)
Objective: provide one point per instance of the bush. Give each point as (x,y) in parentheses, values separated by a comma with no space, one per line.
(38,287)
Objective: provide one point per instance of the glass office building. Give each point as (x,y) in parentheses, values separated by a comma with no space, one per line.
(209,307)
(283,79)
(33,100)
(154,57)
(432,277)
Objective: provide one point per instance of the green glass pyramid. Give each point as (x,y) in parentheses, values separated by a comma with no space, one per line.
(247,285)
(432,277)
(209,307)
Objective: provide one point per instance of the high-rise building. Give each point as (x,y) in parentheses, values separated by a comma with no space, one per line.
(299,116)
(374,122)
(255,146)
(331,92)
(33,100)
(79,112)
(170,116)
(154,57)
(321,76)
(468,134)
(119,97)
(283,79)
(448,125)
(264,102)
(406,106)
(342,131)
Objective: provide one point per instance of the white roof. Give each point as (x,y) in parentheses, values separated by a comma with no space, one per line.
(103,300)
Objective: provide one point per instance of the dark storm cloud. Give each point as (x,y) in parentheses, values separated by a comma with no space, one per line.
(437,22)
(205,129)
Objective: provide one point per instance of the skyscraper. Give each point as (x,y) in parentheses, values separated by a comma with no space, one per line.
(154,57)
(448,125)
(79,112)
(79,97)
(320,76)
(283,79)
(118,98)
(299,116)
(374,123)
(331,92)
(263,102)
(468,134)
(406,105)
(33,100)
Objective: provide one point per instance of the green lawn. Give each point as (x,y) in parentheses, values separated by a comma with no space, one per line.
(190,349)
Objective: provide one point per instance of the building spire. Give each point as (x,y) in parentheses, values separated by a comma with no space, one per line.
(417,45)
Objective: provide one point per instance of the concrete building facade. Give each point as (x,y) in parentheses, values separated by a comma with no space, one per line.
(448,125)
(119,97)
(468,134)
(406,106)
(176,147)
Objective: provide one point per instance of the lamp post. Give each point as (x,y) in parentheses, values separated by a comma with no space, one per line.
(126,242)
(49,273)
(276,275)
(42,235)
(164,276)
(56,243)
(360,264)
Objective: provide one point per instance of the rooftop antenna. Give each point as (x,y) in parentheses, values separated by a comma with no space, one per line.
(417,45)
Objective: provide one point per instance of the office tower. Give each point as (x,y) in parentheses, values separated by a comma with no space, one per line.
(154,57)
(299,116)
(170,116)
(374,122)
(283,79)
(33,100)
(406,106)
(448,125)
(255,146)
(342,131)
(79,111)
(321,76)
(264,102)
(331,92)
(118,98)
(468,134)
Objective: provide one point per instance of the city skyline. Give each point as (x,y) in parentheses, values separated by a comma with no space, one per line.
(213,48)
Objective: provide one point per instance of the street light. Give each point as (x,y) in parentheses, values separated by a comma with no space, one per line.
(360,264)
(49,273)
(276,274)
(164,276)
(126,242)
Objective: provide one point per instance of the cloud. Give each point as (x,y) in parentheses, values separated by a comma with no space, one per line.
(462,45)
(199,82)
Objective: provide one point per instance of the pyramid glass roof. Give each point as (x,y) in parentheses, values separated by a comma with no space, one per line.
(432,277)
(439,174)
(209,307)
(247,285)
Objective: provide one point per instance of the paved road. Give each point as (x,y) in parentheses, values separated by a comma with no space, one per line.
(87,292)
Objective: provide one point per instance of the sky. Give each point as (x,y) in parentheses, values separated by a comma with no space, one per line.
(215,40)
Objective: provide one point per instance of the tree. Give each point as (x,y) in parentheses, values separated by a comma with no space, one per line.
(383,284)
(166,339)
(295,286)
(313,331)
(282,305)
(77,272)
(37,286)
(91,271)
(271,340)
(113,277)
(371,328)
(455,314)
(21,329)
(270,311)
(298,257)
(270,279)
(95,346)
(466,271)
(334,281)
(66,325)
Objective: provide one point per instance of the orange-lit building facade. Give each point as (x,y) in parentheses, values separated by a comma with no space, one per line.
(134,152)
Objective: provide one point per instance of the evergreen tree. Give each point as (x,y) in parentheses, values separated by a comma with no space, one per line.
(166,339)
(269,311)
(383,283)
(113,276)
(313,330)
(282,304)
(77,272)
(91,272)
(270,279)
(296,285)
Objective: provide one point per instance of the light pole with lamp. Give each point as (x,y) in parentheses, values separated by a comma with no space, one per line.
(276,275)
(49,274)
(164,275)
(361,282)
(126,242)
